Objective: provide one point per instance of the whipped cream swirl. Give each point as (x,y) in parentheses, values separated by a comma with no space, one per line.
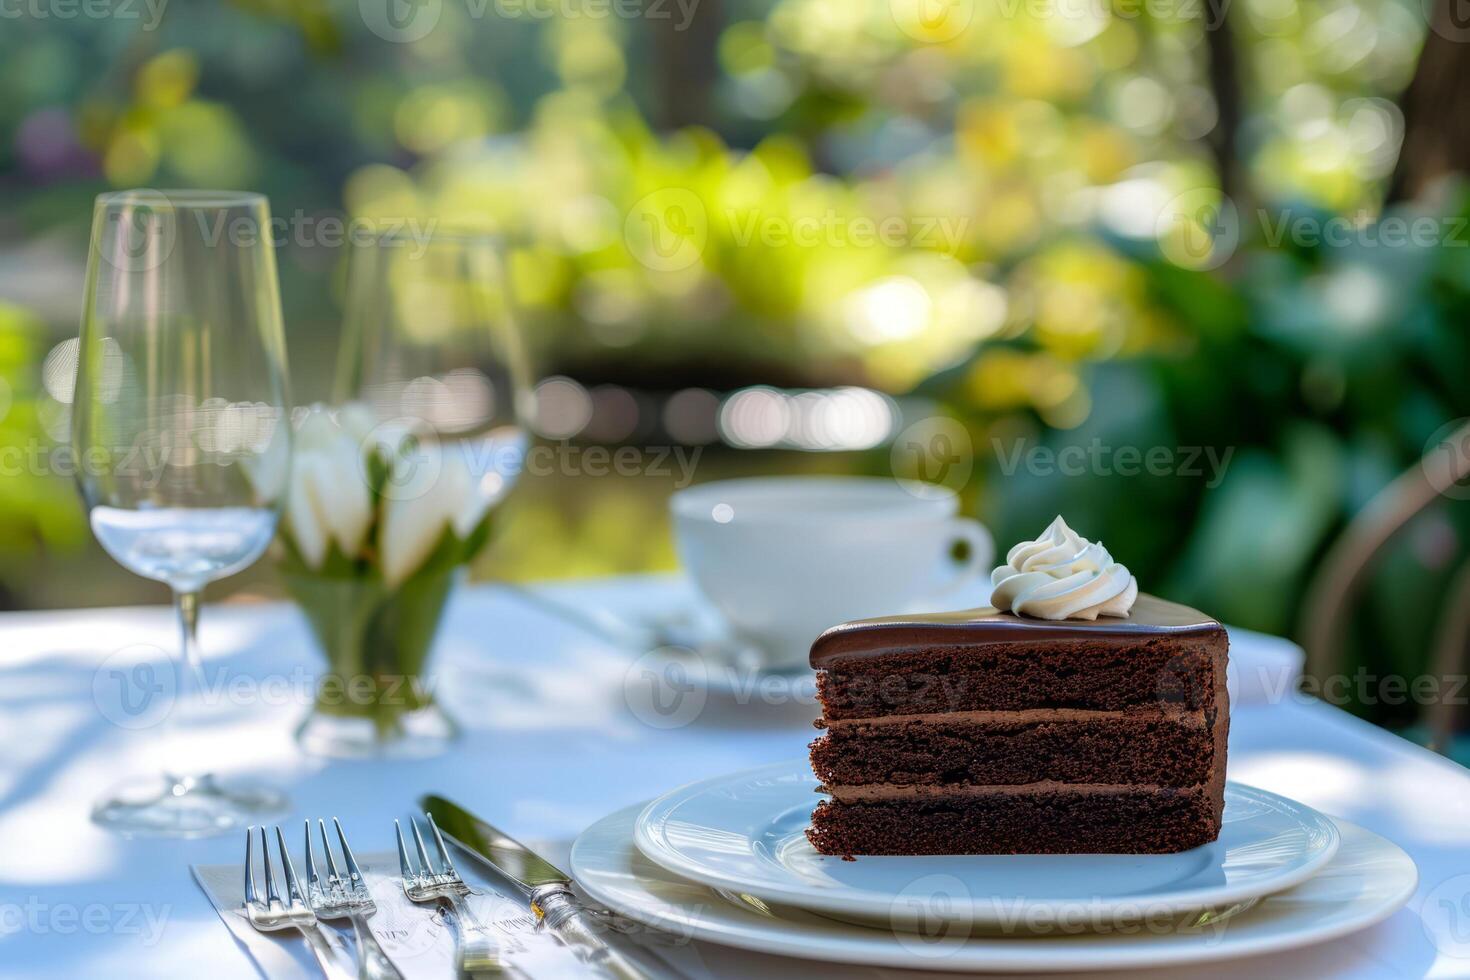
(1062,575)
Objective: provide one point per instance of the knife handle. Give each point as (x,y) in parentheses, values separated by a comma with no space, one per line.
(559,909)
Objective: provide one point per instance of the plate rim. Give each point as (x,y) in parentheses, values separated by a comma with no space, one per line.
(869,903)
(1082,953)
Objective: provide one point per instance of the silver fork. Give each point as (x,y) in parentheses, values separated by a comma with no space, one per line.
(477,951)
(273,914)
(346,897)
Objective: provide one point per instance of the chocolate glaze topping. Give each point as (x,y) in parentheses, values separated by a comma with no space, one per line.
(893,634)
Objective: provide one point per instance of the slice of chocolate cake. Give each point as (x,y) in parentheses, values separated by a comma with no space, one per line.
(990,732)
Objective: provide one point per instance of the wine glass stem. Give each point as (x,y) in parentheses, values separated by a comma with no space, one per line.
(187,604)
(191,684)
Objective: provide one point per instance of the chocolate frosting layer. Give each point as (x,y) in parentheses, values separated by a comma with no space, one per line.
(1149,617)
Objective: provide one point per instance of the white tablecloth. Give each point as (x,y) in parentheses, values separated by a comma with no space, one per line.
(553,744)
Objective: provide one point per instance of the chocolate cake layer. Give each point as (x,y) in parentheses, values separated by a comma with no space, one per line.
(1138,821)
(1013,676)
(988,733)
(1173,751)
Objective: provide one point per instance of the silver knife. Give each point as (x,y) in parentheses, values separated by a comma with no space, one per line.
(548,889)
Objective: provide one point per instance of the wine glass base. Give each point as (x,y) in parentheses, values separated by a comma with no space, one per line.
(184,806)
(417,734)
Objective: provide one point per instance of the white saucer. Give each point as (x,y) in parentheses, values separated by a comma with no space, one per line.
(1367,880)
(745,833)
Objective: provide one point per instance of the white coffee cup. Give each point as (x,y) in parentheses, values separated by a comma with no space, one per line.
(783,558)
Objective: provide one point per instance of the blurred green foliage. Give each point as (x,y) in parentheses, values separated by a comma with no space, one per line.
(998,204)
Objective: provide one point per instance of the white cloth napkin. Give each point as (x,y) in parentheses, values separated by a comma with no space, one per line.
(417,938)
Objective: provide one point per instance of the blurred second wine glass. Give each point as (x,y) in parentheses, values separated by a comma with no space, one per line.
(433,349)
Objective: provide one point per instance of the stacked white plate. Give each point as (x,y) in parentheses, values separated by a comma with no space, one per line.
(727,861)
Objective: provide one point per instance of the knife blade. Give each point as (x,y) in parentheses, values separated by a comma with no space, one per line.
(547,888)
(506,854)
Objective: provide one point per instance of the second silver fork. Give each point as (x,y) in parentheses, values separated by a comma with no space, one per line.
(347,897)
(478,951)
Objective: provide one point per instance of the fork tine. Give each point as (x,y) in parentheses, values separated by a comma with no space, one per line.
(443,851)
(250,896)
(352,868)
(293,888)
(403,863)
(332,872)
(313,880)
(418,843)
(271,894)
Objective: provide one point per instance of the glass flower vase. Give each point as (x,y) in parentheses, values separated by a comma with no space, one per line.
(376,699)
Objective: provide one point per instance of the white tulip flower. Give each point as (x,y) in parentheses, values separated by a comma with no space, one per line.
(431,490)
(343,494)
(303,514)
(414,518)
(329,498)
(414,526)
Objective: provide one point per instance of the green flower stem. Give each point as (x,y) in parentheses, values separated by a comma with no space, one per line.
(376,640)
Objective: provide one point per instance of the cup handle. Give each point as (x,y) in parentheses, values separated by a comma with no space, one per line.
(982,552)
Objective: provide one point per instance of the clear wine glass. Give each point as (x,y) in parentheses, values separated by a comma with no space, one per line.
(181,430)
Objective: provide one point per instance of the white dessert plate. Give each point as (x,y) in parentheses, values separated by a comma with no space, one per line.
(1366,881)
(745,833)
